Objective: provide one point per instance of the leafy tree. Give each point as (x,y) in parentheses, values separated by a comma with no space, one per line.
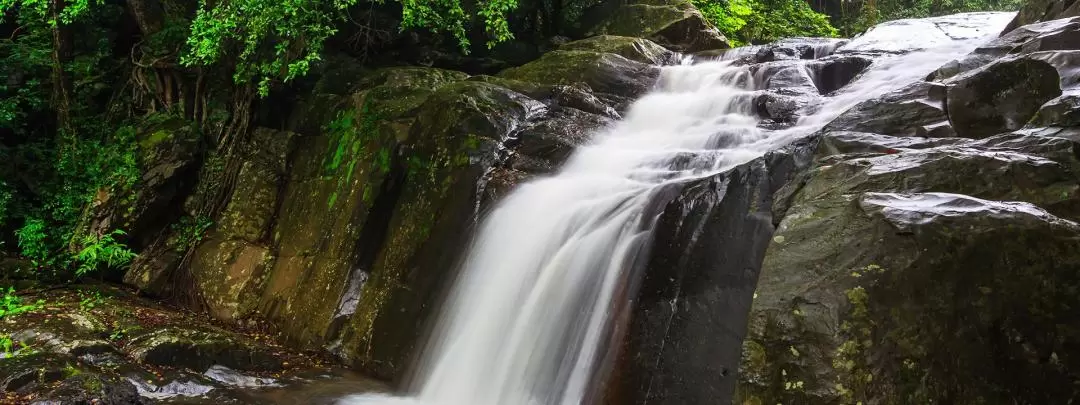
(762,21)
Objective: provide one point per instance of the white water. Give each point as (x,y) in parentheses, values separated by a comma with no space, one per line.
(530,316)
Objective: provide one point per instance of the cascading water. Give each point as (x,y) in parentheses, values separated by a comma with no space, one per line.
(528,319)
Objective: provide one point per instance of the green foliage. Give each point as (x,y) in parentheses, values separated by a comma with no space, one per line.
(89,300)
(728,16)
(32,241)
(11,304)
(268,41)
(190,231)
(762,21)
(101,251)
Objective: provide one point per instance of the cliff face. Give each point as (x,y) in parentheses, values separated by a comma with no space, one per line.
(921,247)
(340,226)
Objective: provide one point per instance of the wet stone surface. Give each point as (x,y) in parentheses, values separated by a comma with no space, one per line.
(98,344)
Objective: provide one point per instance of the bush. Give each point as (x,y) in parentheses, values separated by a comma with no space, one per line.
(762,21)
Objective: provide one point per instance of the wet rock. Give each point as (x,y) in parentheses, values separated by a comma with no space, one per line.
(231,262)
(1042,10)
(601,72)
(88,388)
(861,285)
(199,349)
(23,373)
(797,48)
(552,138)
(1003,170)
(171,390)
(834,73)
(689,314)
(865,143)
(581,99)
(635,49)
(1000,97)
(232,378)
(1063,111)
(71,334)
(454,141)
(675,24)
(903,112)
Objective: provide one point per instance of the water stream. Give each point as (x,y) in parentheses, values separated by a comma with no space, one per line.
(529,318)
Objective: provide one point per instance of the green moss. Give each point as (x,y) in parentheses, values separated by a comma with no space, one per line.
(155,138)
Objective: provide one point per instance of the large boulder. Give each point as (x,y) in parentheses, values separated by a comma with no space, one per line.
(917,109)
(602,72)
(675,24)
(1000,97)
(635,49)
(856,299)
(914,298)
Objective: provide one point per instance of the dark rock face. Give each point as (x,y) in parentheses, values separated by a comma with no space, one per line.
(909,111)
(689,317)
(1000,97)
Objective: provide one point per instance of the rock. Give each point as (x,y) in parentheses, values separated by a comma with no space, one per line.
(1063,111)
(552,138)
(169,153)
(1000,97)
(454,141)
(675,24)
(1042,10)
(865,143)
(199,349)
(832,74)
(689,315)
(903,112)
(231,262)
(861,288)
(88,388)
(1004,169)
(68,334)
(635,49)
(601,72)
(23,373)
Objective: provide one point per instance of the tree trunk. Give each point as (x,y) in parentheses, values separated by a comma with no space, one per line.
(61,91)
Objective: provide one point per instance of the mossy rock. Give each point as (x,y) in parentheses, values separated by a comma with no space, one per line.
(674,24)
(198,349)
(601,72)
(635,49)
(452,144)
(23,373)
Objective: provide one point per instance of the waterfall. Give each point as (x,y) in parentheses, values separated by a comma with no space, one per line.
(530,316)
